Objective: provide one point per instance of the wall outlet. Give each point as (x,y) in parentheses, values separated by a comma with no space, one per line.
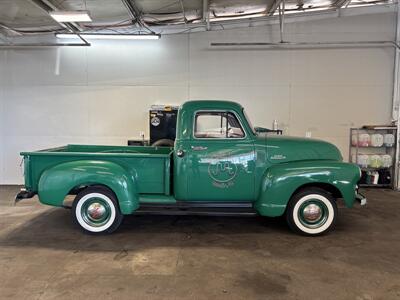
(308,134)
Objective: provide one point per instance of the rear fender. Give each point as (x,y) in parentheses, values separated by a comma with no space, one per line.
(281,181)
(56,182)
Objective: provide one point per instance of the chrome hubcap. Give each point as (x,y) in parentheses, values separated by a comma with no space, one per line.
(96,212)
(312,212)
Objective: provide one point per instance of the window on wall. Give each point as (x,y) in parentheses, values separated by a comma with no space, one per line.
(218,125)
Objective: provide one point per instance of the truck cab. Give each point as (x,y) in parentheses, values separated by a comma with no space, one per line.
(215,156)
(220,163)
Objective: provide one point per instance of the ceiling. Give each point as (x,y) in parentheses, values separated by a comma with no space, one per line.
(24,17)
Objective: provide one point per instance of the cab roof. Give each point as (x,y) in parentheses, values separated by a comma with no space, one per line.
(211,104)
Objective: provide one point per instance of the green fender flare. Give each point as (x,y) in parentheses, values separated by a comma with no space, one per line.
(280,182)
(56,182)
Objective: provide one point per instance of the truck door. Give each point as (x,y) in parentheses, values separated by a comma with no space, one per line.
(220,159)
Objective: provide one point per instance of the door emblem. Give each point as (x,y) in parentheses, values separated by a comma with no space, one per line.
(222,171)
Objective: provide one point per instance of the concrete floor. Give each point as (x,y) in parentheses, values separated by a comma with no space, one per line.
(43,256)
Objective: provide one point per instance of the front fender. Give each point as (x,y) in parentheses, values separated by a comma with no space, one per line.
(56,182)
(281,181)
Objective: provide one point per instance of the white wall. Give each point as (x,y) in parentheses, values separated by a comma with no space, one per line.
(101,94)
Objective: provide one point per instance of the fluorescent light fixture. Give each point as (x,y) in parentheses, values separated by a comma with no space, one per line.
(238,17)
(94,36)
(71,16)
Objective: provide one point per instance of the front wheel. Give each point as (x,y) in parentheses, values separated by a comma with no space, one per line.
(312,211)
(96,211)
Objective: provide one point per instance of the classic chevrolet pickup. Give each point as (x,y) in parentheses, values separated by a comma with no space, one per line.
(220,164)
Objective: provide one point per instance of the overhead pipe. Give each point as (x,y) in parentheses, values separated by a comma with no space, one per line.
(268,20)
(281,18)
(183,12)
(206,15)
(308,45)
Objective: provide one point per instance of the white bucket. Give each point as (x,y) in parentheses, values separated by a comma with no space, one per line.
(364,140)
(388,140)
(387,161)
(376,140)
(375,161)
(363,160)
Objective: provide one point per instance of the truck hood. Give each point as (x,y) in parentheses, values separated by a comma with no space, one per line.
(281,149)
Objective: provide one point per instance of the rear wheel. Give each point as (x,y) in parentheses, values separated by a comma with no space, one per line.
(312,211)
(96,211)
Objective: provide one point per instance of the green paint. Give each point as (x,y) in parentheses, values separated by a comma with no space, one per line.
(264,170)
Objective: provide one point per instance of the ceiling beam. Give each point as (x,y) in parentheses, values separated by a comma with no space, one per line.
(135,14)
(4,28)
(305,16)
(131,11)
(274,7)
(341,3)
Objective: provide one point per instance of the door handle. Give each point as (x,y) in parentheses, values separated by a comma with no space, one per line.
(199,148)
(180,153)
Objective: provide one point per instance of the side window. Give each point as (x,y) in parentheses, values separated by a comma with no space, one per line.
(218,125)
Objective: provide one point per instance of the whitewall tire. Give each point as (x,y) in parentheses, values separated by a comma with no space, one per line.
(96,211)
(312,211)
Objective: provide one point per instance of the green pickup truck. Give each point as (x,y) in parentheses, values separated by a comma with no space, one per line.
(220,164)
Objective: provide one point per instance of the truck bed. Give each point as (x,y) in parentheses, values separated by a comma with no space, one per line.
(104,149)
(151,165)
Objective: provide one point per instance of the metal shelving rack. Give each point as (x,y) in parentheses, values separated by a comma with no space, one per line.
(354,152)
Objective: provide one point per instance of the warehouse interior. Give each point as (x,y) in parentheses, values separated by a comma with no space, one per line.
(312,69)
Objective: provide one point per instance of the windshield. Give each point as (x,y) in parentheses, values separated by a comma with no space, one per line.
(249,122)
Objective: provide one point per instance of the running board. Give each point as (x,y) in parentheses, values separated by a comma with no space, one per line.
(203,210)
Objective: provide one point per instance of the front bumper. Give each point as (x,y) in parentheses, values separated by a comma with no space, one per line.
(23,194)
(361,198)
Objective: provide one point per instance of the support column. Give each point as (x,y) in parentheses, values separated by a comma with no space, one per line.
(396,99)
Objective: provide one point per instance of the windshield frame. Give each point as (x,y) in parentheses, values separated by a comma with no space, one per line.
(246,117)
